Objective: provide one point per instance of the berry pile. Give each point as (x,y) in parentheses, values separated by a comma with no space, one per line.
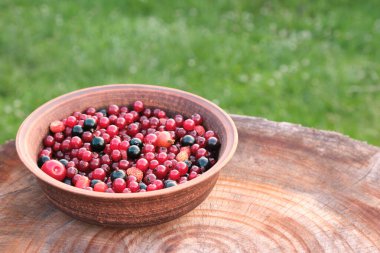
(122,150)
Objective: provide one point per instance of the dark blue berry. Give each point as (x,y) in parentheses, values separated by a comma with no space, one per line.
(203,162)
(187,140)
(97,144)
(136,141)
(170,183)
(94,181)
(212,144)
(64,162)
(42,160)
(142,186)
(118,174)
(133,152)
(89,124)
(77,131)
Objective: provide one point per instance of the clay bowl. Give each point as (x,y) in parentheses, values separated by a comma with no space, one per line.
(126,210)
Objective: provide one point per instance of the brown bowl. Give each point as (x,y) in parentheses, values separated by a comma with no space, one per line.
(128,210)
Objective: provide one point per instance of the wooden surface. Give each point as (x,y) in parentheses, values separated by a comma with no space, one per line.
(288,188)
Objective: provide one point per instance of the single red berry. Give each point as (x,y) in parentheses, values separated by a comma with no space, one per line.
(188,125)
(124,145)
(87,136)
(138,106)
(182,168)
(132,129)
(119,185)
(82,182)
(201,152)
(134,186)
(104,122)
(98,173)
(162,157)
(174,175)
(164,139)
(105,159)
(123,164)
(147,112)
(113,109)
(150,139)
(76,142)
(154,122)
(151,187)
(201,141)
(161,114)
(197,118)
(100,187)
(209,134)
(121,122)
(170,125)
(178,120)
(200,130)
(91,111)
(116,155)
(128,118)
(71,172)
(124,109)
(49,141)
(142,164)
(57,126)
(159,184)
(114,143)
(150,156)
(86,156)
(149,178)
(180,132)
(112,130)
(139,136)
(153,164)
(160,171)
(148,148)
(196,169)
(83,166)
(65,146)
(55,169)
(59,137)
(192,175)
(94,163)
(71,121)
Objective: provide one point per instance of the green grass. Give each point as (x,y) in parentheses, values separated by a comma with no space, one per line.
(310,62)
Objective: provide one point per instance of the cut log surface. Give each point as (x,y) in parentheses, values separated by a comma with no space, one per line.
(287,189)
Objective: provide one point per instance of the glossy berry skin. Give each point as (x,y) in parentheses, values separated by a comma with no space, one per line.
(77,130)
(57,126)
(159,184)
(203,162)
(42,159)
(212,144)
(55,169)
(188,125)
(142,185)
(138,106)
(97,144)
(82,182)
(119,185)
(113,109)
(182,168)
(136,141)
(100,187)
(134,186)
(89,125)
(104,122)
(192,175)
(160,171)
(112,130)
(71,172)
(174,175)
(133,152)
(170,183)
(142,164)
(99,173)
(118,174)
(151,187)
(187,140)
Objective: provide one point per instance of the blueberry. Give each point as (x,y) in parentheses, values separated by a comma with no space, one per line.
(203,162)
(89,124)
(64,162)
(187,140)
(212,144)
(118,174)
(142,186)
(67,181)
(77,131)
(170,183)
(133,152)
(97,144)
(137,142)
(42,160)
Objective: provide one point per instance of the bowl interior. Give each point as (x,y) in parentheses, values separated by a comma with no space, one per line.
(35,127)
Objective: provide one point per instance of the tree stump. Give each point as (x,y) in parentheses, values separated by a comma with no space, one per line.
(288,188)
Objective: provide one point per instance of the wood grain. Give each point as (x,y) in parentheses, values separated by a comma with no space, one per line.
(287,189)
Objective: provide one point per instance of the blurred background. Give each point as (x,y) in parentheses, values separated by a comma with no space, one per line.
(316,63)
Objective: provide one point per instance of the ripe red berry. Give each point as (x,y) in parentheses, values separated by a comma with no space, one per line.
(142,164)
(119,185)
(100,187)
(160,171)
(134,186)
(57,126)
(178,120)
(192,175)
(104,122)
(49,141)
(112,130)
(150,139)
(151,187)
(164,139)
(182,168)
(138,106)
(99,173)
(82,181)
(174,175)
(113,109)
(188,125)
(55,169)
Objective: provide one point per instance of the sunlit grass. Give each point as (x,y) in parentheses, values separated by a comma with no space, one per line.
(314,63)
